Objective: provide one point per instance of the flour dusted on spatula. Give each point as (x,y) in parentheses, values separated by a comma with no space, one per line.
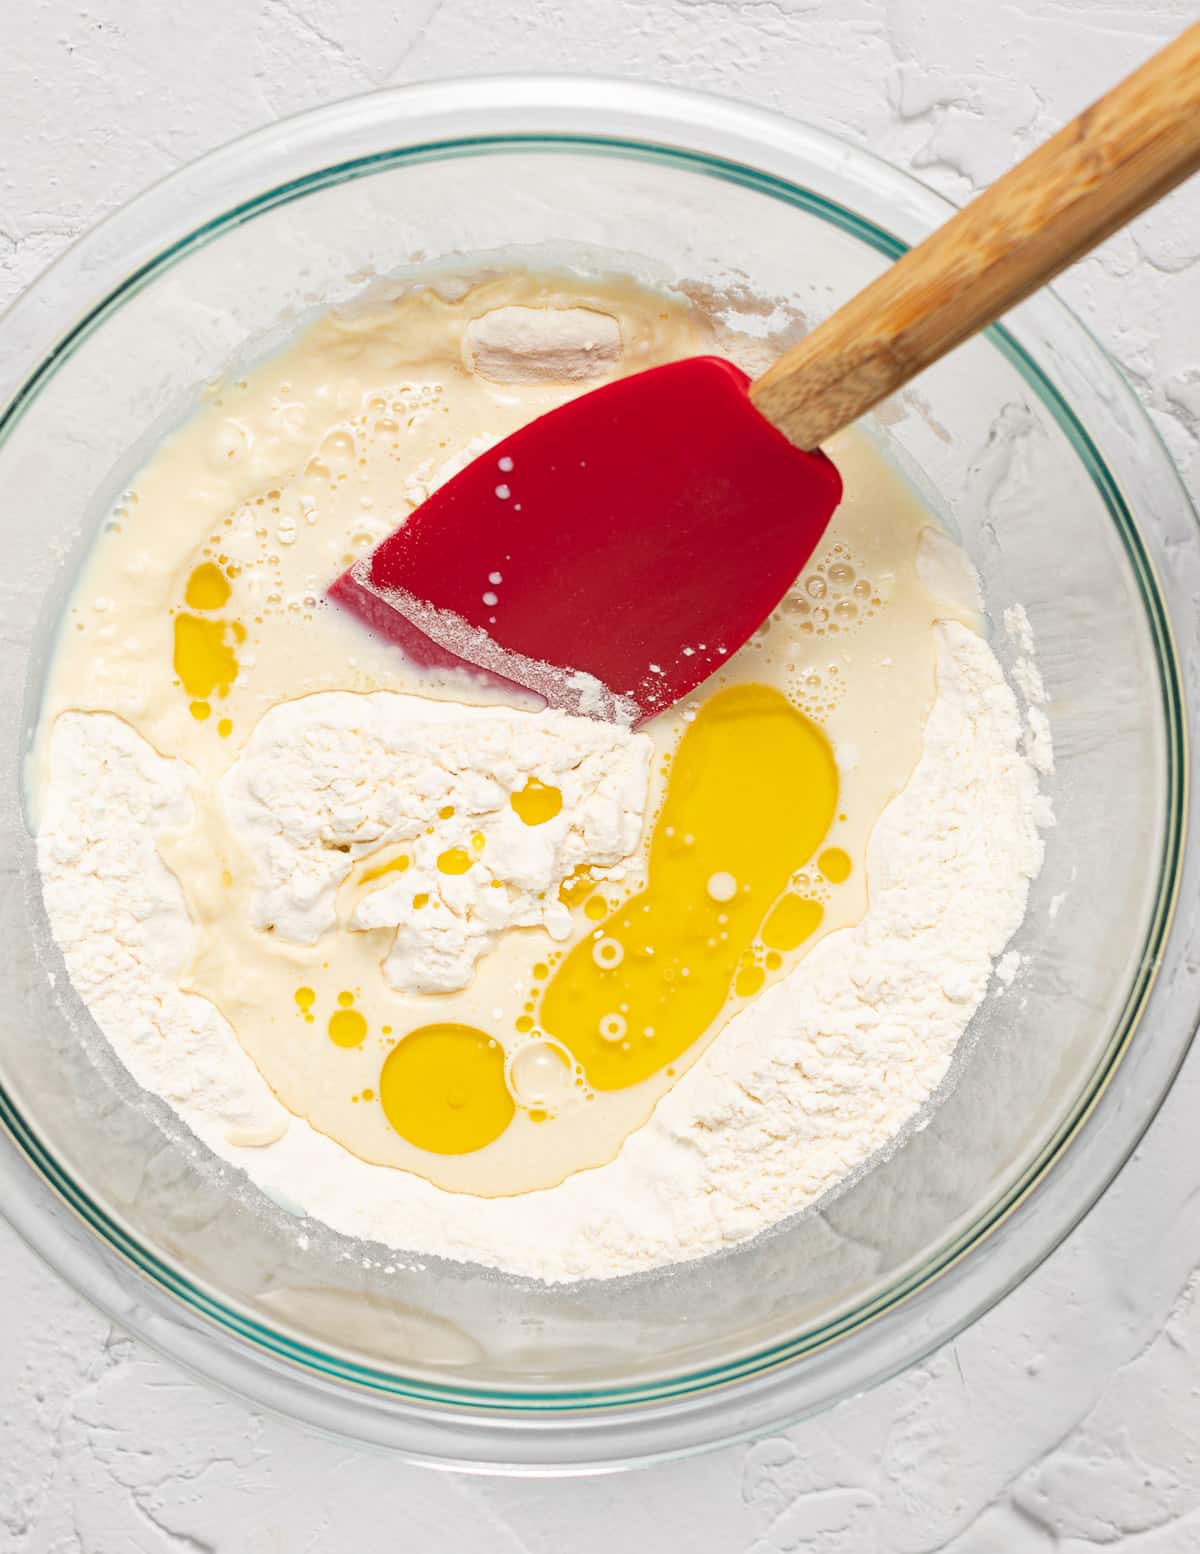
(569,690)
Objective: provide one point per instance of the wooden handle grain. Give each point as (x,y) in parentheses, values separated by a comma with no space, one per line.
(1122,154)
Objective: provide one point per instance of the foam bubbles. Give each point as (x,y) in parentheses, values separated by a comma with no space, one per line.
(834,596)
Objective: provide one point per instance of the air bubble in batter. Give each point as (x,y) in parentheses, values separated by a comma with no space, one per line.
(541,1074)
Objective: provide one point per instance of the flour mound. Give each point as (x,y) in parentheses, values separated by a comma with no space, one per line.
(330,779)
(119,914)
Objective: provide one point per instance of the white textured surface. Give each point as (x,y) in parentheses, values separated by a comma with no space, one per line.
(1067,1419)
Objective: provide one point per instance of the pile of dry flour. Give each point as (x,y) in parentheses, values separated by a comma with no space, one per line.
(803,1086)
(328,779)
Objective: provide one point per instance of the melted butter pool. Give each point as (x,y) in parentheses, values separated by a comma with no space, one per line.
(752,792)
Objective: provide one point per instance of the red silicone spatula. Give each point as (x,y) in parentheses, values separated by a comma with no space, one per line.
(613,553)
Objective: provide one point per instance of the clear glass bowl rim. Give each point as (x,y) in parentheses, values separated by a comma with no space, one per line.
(477,1427)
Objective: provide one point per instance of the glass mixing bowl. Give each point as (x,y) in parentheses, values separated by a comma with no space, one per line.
(1036,454)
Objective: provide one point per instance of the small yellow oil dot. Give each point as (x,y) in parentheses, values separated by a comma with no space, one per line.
(455,860)
(576,888)
(386,1029)
(226,878)
(207,588)
(834,864)
(199,710)
(395,865)
(774,960)
(541,971)
(478,841)
(203,660)
(368,1094)
(595,909)
(749,980)
(345,999)
(305,998)
(538,1114)
(524,1022)
(347,1028)
(421,900)
(446,812)
(537,802)
(225,728)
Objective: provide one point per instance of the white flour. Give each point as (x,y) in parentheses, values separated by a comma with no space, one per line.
(119,914)
(327,780)
(802,1087)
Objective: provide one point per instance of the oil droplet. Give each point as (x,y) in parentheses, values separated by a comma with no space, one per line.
(200,710)
(395,865)
(749,980)
(442,1088)
(455,860)
(733,790)
(421,900)
(305,998)
(834,864)
(537,802)
(595,909)
(225,727)
(207,588)
(541,971)
(792,920)
(347,1028)
(524,1022)
(204,660)
(345,999)
(577,887)
(774,960)
(446,812)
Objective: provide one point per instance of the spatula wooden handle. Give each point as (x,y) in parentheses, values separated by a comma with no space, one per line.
(1122,154)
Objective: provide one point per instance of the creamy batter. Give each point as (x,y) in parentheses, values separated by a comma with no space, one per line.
(423,917)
